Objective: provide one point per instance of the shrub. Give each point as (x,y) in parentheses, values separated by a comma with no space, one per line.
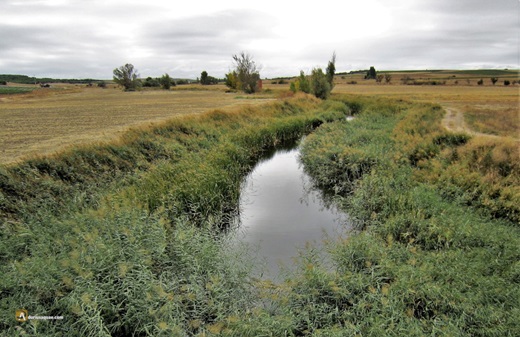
(320,86)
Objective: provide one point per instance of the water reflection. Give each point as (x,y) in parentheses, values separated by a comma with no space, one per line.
(280,212)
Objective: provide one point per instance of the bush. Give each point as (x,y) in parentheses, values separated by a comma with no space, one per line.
(320,86)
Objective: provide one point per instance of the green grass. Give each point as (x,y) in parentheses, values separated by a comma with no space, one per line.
(125,239)
(14,90)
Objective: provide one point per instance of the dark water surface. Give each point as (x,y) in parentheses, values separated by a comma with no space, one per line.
(280,212)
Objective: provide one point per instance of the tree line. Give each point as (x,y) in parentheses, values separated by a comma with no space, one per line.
(245,77)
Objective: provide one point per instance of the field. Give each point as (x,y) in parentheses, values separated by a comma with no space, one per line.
(47,120)
(124,237)
(489,109)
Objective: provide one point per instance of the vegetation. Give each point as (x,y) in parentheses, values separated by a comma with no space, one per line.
(245,77)
(23,79)
(14,90)
(205,79)
(166,82)
(320,86)
(127,77)
(301,84)
(126,238)
(331,70)
(371,74)
(422,264)
(127,242)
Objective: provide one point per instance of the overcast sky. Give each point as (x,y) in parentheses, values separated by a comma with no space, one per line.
(89,38)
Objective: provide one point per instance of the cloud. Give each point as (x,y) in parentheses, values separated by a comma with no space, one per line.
(64,38)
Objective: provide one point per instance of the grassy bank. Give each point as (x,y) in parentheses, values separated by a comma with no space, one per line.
(121,239)
(424,264)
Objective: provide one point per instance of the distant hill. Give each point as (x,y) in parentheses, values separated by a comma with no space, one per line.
(24,79)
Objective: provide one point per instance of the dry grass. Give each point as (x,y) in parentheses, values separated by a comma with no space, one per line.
(47,120)
(486,109)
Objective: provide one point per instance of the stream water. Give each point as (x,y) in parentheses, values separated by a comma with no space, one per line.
(280,212)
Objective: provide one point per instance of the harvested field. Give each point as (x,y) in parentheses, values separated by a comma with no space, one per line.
(486,109)
(46,121)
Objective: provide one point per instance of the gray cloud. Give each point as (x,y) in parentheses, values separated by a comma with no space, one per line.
(90,39)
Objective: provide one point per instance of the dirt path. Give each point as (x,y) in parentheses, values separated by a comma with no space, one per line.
(454,121)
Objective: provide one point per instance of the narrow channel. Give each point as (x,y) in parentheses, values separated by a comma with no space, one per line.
(280,212)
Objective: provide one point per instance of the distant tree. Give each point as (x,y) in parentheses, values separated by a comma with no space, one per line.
(150,82)
(247,73)
(102,84)
(494,80)
(388,78)
(204,77)
(304,83)
(3,82)
(127,77)
(319,84)
(166,81)
(379,78)
(371,74)
(506,82)
(301,84)
(331,70)
(480,82)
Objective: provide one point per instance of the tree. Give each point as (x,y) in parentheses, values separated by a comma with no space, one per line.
(301,84)
(331,70)
(150,82)
(204,77)
(388,78)
(166,81)
(319,84)
(494,80)
(371,74)
(127,77)
(247,74)
(379,78)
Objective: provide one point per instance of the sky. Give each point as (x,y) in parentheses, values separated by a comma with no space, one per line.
(90,38)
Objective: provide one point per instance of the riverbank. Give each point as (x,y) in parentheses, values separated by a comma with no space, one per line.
(124,238)
(424,263)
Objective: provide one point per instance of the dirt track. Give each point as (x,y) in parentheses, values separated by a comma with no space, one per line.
(454,121)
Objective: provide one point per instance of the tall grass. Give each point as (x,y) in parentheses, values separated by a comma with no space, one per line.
(422,265)
(124,239)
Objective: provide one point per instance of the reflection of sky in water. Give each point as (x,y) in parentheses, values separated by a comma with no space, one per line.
(279,212)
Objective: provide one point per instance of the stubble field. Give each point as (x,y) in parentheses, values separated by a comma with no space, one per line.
(49,120)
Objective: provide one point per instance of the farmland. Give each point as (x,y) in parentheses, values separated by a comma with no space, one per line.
(48,120)
(122,237)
